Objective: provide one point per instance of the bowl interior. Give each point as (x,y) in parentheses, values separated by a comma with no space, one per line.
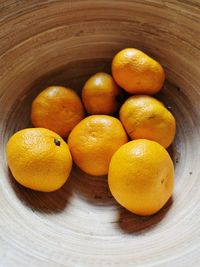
(63,43)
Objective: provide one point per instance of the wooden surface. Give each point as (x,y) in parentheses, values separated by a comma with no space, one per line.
(63,42)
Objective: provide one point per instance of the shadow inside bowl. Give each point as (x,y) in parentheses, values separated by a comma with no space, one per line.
(93,189)
(43,202)
(130,223)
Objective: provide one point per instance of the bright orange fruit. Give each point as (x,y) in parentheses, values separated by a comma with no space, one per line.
(146,117)
(39,159)
(100,94)
(94,140)
(58,109)
(136,72)
(141,176)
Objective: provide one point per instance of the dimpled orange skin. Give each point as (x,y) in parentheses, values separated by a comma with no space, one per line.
(58,109)
(39,159)
(100,93)
(141,176)
(136,72)
(93,142)
(146,117)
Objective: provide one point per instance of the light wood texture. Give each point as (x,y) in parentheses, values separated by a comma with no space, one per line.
(63,42)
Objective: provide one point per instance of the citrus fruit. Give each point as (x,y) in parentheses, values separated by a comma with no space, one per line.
(136,72)
(39,159)
(94,140)
(58,109)
(100,94)
(146,117)
(141,176)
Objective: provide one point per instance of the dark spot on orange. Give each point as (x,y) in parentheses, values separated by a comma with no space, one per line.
(56,142)
(152,117)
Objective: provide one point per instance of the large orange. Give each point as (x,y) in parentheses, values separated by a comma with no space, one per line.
(94,140)
(100,94)
(146,117)
(141,176)
(58,109)
(136,72)
(39,159)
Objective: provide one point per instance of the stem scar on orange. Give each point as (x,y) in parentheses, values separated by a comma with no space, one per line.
(39,159)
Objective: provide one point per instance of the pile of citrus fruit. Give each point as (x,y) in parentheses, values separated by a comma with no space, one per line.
(140,172)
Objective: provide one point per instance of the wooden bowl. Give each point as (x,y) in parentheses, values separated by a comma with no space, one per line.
(63,42)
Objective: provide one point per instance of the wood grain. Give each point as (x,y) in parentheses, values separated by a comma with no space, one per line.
(45,42)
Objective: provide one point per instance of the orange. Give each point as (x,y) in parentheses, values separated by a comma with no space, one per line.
(141,176)
(136,72)
(39,159)
(100,94)
(58,109)
(94,140)
(146,117)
